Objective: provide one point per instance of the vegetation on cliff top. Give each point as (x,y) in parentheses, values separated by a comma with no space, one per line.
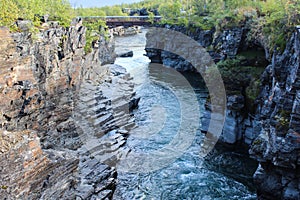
(103,11)
(35,10)
(94,30)
(272,19)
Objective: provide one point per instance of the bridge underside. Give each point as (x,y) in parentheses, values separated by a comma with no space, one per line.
(113,24)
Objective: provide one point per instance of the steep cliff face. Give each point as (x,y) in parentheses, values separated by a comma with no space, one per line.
(237,77)
(273,129)
(55,105)
(278,145)
(205,39)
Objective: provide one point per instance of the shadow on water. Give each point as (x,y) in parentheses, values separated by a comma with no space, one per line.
(231,160)
(226,173)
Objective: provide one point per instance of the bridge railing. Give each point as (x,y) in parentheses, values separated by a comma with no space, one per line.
(123,18)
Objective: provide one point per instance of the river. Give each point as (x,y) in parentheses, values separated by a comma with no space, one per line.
(226,173)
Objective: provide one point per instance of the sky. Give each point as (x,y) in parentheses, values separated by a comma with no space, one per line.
(99,3)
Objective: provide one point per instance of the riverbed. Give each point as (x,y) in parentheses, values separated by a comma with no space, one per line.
(226,173)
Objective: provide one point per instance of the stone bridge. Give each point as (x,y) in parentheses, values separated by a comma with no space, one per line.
(126,21)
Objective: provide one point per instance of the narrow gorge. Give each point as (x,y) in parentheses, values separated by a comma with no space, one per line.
(70,117)
(267,123)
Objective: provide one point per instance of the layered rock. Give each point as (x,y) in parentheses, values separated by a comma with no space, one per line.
(125,31)
(278,145)
(56,104)
(205,39)
(124,53)
(273,128)
(239,126)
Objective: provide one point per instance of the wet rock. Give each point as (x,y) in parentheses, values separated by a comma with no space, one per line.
(125,31)
(224,44)
(125,53)
(117,70)
(235,102)
(291,193)
(279,150)
(134,103)
(267,183)
(229,41)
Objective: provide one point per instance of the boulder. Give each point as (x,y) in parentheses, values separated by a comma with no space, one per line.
(24,25)
(125,53)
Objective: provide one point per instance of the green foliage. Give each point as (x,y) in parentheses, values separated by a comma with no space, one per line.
(199,7)
(29,8)
(114,11)
(95,29)
(4,187)
(205,23)
(59,10)
(170,11)
(280,16)
(9,13)
(257,141)
(236,76)
(276,17)
(151,17)
(252,91)
(283,121)
(103,11)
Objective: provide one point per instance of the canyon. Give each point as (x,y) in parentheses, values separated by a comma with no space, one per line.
(56,102)
(60,107)
(271,129)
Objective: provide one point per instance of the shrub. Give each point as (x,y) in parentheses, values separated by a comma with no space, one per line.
(95,28)
(9,13)
(59,10)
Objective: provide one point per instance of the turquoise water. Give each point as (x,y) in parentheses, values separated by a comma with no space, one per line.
(224,174)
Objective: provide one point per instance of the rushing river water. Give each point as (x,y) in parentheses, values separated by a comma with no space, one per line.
(224,174)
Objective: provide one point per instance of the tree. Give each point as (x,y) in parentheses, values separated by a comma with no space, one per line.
(60,10)
(31,8)
(9,13)
(170,10)
(200,6)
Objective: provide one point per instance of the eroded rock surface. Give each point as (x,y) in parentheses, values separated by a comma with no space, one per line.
(278,145)
(57,106)
(236,77)
(272,129)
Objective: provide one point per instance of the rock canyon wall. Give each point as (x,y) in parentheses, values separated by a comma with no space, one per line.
(270,124)
(56,107)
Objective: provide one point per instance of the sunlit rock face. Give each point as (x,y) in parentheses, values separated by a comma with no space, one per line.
(278,145)
(56,104)
(273,128)
(239,127)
